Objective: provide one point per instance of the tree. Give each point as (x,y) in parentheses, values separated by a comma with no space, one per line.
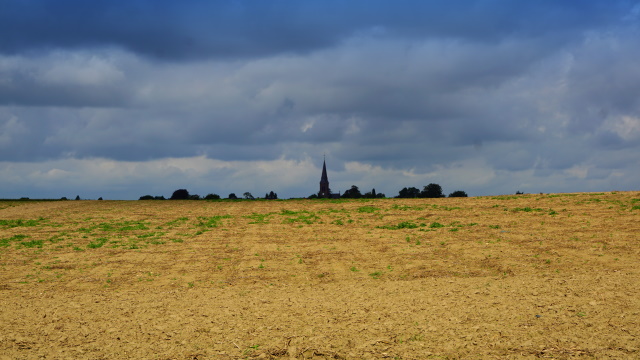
(212,197)
(232,196)
(353,193)
(180,194)
(194,197)
(271,196)
(458,193)
(248,196)
(432,191)
(370,195)
(77,197)
(411,192)
(100,198)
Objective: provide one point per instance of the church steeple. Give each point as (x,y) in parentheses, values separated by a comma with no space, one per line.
(324,182)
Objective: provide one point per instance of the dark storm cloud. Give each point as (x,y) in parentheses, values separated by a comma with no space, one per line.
(196,29)
(487,96)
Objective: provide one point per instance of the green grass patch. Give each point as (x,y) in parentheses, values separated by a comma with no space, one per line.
(402,225)
(304,216)
(98,243)
(526,209)
(368,209)
(20,223)
(258,218)
(177,222)
(212,221)
(7,241)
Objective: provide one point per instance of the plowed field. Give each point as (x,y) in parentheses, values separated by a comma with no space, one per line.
(528,276)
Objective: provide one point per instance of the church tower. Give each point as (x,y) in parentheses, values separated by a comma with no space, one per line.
(324,182)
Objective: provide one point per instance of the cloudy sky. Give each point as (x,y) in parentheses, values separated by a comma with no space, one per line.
(119,99)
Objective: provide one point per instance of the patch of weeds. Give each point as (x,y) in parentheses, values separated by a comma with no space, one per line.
(354,269)
(177,222)
(494,226)
(21,223)
(304,216)
(7,241)
(402,225)
(581,314)
(177,240)
(258,218)
(338,222)
(368,209)
(526,209)
(123,226)
(435,225)
(191,284)
(31,244)
(407,207)
(98,243)
(211,221)
(376,275)
(454,229)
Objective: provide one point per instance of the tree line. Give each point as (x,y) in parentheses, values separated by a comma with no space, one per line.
(183,194)
(429,191)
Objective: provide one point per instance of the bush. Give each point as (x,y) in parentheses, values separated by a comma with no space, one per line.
(458,193)
(432,191)
(353,193)
(212,197)
(180,194)
(407,193)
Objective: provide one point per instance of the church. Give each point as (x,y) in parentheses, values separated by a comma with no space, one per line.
(325,191)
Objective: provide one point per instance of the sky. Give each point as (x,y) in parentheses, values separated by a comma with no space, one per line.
(120,99)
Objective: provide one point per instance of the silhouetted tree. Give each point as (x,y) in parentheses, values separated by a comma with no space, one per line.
(77,197)
(180,194)
(432,191)
(458,193)
(313,196)
(146,197)
(353,193)
(248,196)
(411,192)
(271,196)
(370,195)
(212,197)
(100,198)
(232,196)
(194,197)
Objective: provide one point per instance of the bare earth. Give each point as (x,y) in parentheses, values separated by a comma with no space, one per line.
(529,276)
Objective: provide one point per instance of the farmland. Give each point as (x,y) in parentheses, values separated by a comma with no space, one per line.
(544,275)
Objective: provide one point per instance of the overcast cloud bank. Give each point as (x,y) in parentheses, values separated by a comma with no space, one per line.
(122,99)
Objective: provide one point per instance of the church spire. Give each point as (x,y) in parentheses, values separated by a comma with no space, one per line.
(324,182)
